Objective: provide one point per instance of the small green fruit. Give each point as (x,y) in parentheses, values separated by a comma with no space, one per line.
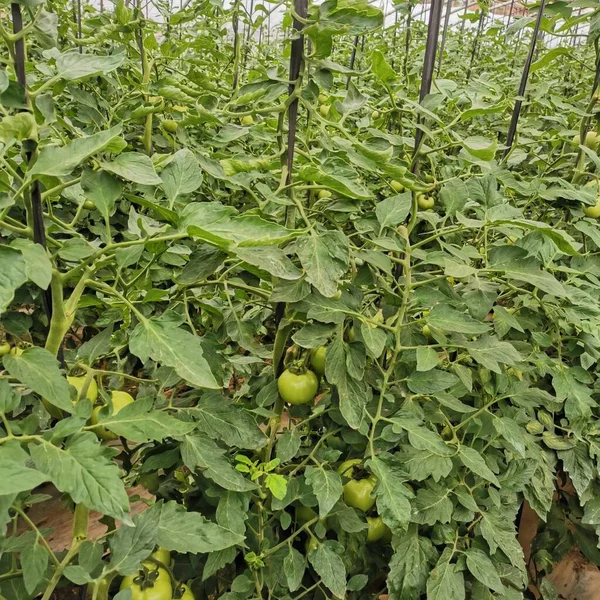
(92,391)
(170,125)
(592,211)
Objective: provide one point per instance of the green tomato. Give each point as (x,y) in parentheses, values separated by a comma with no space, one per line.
(336,442)
(375,115)
(592,140)
(77,383)
(183,592)
(311,544)
(347,468)
(170,125)
(89,205)
(357,493)
(317,360)
(4,348)
(592,211)
(163,555)
(323,98)
(397,186)
(102,588)
(424,201)
(324,109)
(149,481)
(304,514)
(351,334)
(119,400)
(377,529)
(426,331)
(323,194)
(297,388)
(17,350)
(153,585)
(247,120)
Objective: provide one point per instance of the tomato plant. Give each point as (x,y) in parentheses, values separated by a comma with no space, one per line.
(307,315)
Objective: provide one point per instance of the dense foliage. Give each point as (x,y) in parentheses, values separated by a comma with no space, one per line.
(341,369)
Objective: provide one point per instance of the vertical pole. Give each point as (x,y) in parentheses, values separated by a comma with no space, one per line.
(585,121)
(236,43)
(407,40)
(395,34)
(433,31)
(476,43)
(462,25)
(512,130)
(287,157)
(510,11)
(352,59)
(36,216)
(574,37)
(248,33)
(296,61)
(444,34)
(79,18)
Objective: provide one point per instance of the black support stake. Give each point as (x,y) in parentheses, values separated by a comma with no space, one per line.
(407,37)
(352,59)
(37,213)
(476,43)
(444,34)
(433,31)
(79,18)
(512,129)
(235,23)
(296,60)
(510,12)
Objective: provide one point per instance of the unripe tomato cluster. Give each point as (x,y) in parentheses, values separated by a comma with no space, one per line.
(119,400)
(358,493)
(298,385)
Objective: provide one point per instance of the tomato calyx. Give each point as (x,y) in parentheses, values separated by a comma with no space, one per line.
(298,367)
(146,578)
(182,591)
(354,469)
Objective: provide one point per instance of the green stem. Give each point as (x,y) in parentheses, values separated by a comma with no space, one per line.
(398,345)
(40,538)
(289,539)
(63,312)
(112,292)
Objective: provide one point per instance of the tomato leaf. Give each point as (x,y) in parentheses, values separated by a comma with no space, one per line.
(39,370)
(184,531)
(199,451)
(174,347)
(329,566)
(327,487)
(87,472)
(130,545)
